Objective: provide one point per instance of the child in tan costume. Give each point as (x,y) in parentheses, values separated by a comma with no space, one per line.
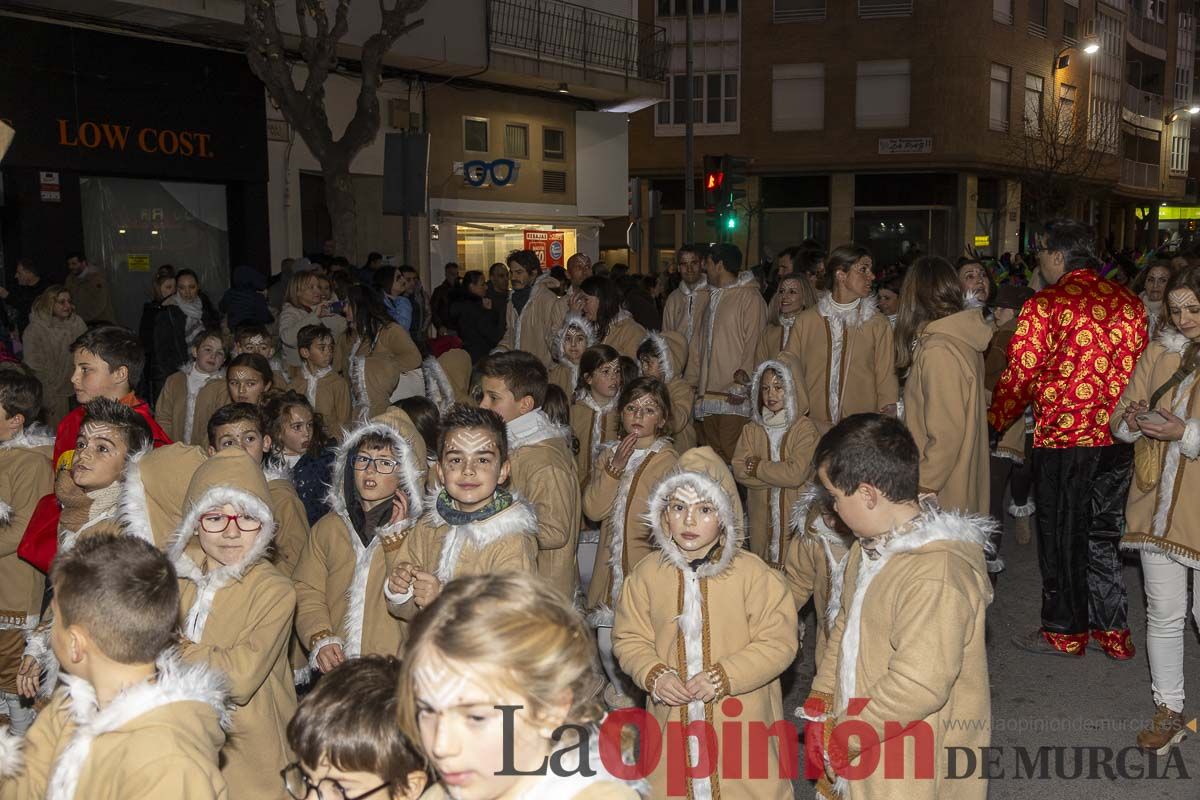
(473,526)
(258,339)
(153,488)
(248,379)
(236,612)
(617,496)
(132,721)
(25,476)
(378,353)
(316,378)
(376,498)
(593,414)
(773,455)
(910,633)
(176,409)
(663,356)
(574,336)
(542,466)
(705,620)
(448,378)
(815,562)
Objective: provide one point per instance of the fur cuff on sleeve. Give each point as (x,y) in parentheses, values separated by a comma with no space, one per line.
(12,761)
(397,599)
(37,647)
(5,513)
(1124,434)
(1189,445)
(816,707)
(316,648)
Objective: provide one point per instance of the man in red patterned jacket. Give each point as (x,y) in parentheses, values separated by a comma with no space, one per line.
(1072,355)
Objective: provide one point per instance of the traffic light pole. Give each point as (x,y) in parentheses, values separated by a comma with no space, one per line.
(689,156)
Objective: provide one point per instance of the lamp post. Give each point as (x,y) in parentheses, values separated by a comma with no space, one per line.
(1192,109)
(1062,60)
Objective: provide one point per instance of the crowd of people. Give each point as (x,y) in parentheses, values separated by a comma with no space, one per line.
(341,537)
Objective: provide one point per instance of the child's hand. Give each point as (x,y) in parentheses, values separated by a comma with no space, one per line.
(29,677)
(701,687)
(620,457)
(401,579)
(330,656)
(426,588)
(670,690)
(399,506)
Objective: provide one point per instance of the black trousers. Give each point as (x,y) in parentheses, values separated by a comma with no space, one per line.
(1080,494)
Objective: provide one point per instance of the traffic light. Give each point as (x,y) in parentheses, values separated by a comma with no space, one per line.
(714,183)
(733,172)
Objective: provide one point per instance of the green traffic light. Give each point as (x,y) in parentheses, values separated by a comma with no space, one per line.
(731,223)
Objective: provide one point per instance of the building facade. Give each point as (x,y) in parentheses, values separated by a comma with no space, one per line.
(925,125)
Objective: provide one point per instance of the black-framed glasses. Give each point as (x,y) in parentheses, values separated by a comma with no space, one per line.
(299,786)
(218,522)
(384,466)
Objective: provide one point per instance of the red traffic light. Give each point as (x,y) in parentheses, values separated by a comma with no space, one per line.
(714,180)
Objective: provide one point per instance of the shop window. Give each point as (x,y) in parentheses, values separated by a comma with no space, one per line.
(554,146)
(554,182)
(516,140)
(797,97)
(475,134)
(881,97)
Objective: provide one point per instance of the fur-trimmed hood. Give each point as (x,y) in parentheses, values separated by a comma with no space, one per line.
(176,682)
(437,384)
(702,470)
(34,436)
(229,477)
(795,398)
(1172,340)
(861,314)
(812,493)
(671,349)
(154,488)
(572,320)
(534,427)
(341,487)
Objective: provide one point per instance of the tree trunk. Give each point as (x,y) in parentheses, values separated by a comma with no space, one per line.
(339,200)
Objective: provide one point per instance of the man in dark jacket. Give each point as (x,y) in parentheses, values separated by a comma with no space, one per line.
(441,298)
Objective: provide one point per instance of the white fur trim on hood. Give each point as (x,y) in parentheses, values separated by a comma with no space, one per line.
(207,585)
(532,428)
(665,364)
(572,320)
(789,392)
(177,682)
(410,479)
(711,490)
(133,508)
(36,435)
(12,760)
(437,384)
(1172,340)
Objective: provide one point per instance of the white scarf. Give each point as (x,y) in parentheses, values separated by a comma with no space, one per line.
(195,382)
(311,380)
(193,311)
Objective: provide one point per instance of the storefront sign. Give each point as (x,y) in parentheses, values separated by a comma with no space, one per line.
(549,246)
(983,241)
(915,145)
(137,263)
(117,137)
(51,188)
(501,172)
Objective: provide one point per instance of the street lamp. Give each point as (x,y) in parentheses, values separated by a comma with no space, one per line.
(1193,109)
(1062,60)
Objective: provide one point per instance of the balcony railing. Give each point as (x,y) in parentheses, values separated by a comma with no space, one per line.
(1147,104)
(1147,30)
(552,30)
(1145,176)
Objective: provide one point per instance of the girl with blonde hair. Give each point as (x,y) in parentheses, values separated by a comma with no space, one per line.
(496,667)
(53,325)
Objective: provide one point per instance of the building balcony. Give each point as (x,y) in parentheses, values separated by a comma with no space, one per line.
(1147,35)
(1143,103)
(1141,175)
(559,41)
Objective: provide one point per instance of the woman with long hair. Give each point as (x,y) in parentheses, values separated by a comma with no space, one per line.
(53,325)
(1159,413)
(182,317)
(844,344)
(303,305)
(615,327)
(940,346)
(376,351)
(792,295)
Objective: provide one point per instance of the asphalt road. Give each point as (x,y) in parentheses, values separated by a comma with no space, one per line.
(1091,703)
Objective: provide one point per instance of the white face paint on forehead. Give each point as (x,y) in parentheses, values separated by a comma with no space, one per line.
(1182,297)
(688,496)
(472,440)
(99,430)
(438,686)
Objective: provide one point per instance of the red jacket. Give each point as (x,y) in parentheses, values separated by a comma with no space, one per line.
(39,544)
(1072,354)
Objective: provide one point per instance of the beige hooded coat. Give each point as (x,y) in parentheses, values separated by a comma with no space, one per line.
(785,461)
(910,638)
(815,564)
(532,329)
(340,580)
(731,616)
(374,369)
(176,405)
(46,343)
(672,355)
(236,618)
(328,392)
(945,408)
(847,360)
(724,341)
(565,373)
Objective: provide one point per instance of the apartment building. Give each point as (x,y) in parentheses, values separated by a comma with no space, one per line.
(924,124)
